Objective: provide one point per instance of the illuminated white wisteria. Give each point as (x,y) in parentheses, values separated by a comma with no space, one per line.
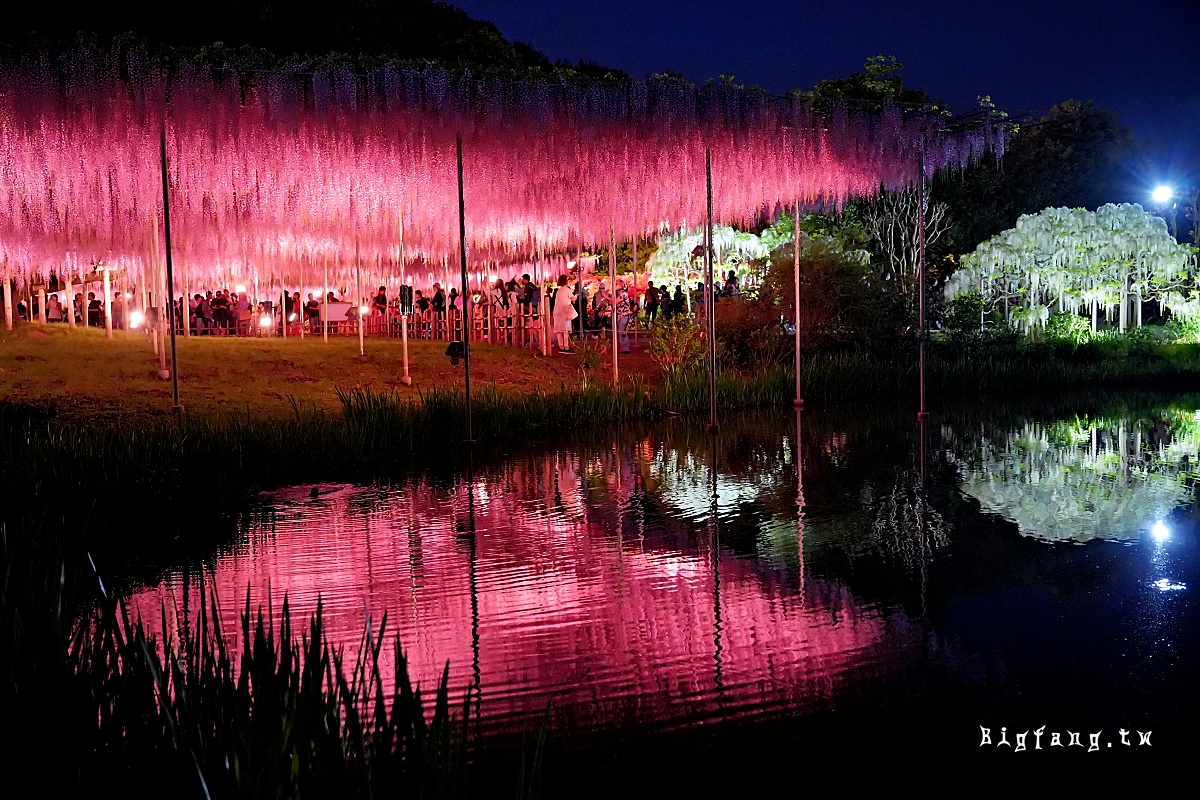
(1074,260)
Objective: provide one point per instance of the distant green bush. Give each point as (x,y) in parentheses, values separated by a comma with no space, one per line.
(677,344)
(1068,328)
(1183,329)
(962,315)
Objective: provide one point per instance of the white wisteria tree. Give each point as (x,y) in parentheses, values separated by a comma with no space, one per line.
(680,252)
(1064,259)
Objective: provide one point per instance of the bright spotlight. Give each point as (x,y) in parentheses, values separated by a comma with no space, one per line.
(135,319)
(1160,532)
(1162,194)
(363,309)
(264,322)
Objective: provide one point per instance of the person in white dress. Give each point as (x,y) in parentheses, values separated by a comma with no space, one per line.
(564,313)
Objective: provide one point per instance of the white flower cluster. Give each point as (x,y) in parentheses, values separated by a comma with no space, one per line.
(1068,259)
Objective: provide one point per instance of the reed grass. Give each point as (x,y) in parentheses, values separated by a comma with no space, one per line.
(286,716)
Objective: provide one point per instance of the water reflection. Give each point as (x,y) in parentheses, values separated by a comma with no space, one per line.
(1083,478)
(786,569)
(597,581)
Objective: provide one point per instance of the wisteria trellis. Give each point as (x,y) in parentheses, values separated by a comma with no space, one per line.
(275,173)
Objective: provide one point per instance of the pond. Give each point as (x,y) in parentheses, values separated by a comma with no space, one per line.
(800,587)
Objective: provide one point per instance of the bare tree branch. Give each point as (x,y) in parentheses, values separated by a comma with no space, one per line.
(892,221)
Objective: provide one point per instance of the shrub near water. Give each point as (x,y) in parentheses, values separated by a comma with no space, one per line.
(677,343)
(1068,328)
(750,334)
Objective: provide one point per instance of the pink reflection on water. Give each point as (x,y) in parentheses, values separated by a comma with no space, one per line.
(555,601)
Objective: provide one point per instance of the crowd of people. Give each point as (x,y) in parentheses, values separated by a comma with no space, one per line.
(87,311)
(506,312)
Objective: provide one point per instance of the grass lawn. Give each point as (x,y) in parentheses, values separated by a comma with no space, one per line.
(89,378)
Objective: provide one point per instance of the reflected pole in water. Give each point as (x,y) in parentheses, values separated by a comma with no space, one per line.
(476,690)
(715,548)
(799,505)
(462,249)
(185,636)
(919,506)
(620,498)
(176,408)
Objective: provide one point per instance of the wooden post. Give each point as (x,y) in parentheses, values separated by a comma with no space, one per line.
(8,304)
(42,304)
(358,281)
(106,283)
(615,322)
(325,302)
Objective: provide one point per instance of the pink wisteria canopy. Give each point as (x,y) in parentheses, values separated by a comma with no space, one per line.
(272,174)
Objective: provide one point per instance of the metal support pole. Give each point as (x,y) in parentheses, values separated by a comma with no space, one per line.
(462,249)
(799,401)
(711,300)
(175,407)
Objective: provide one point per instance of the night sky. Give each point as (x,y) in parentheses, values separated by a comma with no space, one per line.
(1138,59)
